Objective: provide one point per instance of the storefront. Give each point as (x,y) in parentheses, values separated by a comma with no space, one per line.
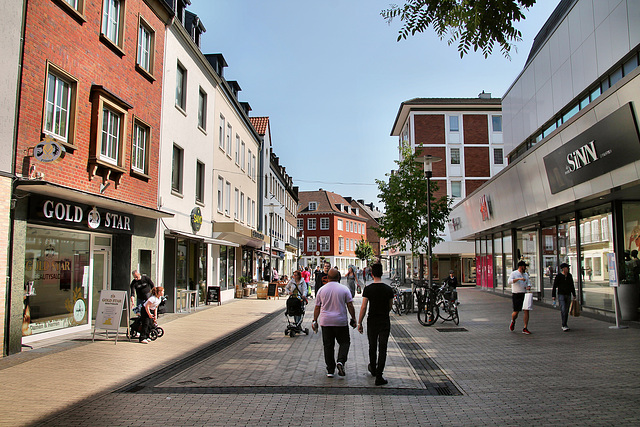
(67,247)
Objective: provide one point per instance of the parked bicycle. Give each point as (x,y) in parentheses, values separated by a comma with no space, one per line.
(427,308)
(401,300)
(447,303)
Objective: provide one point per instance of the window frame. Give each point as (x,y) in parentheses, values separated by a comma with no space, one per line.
(117,45)
(202,109)
(312,247)
(324,223)
(237,154)
(236,202)
(493,122)
(501,156)
(76,12)
(181,88)
(228,139)
(455,159)
(143,24)
(315,206)
(220,204)
(457,128)
(64,76)
(311,221)
(242,154)
(200,182)
(227,198)
(135,169)
(221,130)
(459,183)
(177,176)
(324,243)
(242,207)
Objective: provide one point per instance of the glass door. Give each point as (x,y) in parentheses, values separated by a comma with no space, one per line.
(101,261)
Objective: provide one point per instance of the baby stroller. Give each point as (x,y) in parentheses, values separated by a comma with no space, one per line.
(295,310)
(135,328)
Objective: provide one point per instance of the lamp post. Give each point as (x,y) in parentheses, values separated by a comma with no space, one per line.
(428,160)
(272,207)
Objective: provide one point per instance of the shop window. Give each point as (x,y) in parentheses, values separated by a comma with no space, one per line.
(146,47)
(631,243)
(528,252)
(222,268)
(60,105)
(55,293)
(596,292)
(113,13)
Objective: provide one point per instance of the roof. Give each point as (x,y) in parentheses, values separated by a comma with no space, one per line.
(328,202)
(549,27)
(260,124)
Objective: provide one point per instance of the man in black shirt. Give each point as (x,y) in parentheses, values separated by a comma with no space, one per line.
(321,277)
(565,288)
(379,297)
(140,286)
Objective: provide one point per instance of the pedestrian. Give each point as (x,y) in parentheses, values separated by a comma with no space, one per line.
(321,276)
(274,272)
(352,280)
(519,281)
(452,281)
(306,276)
(333,300)
(378,298)
(150,313)
(564,287)
(298,289)
(141,286)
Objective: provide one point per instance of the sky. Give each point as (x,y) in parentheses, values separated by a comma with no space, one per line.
(331,76)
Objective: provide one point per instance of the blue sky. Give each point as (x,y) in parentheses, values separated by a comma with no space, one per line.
(331,77)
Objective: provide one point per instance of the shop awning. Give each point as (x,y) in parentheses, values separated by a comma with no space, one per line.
(73,195)
(203,238)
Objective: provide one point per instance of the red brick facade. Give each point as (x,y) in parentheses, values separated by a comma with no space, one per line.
(476,129)
(476,161)
(439,168)
(472,185)
(59,38)
(429,129)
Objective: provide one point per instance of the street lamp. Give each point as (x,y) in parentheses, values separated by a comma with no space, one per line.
(428,160)
(272,207)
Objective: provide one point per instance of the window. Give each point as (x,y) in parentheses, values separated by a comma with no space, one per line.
(339,225)
(340,244)
(312,245)
(111,135)
(455,156)
(181,87)
(496,123)
(227,198)
(220,194)
(221,133)
(313,206)
(249,164)
(324,223)
(324,244)
(242,156)
(176,169)
(236,201)
(228,139)
(498,156)
(311,224)
(456,189)
(237,149)
(139,144)
(253,167)
(301,244)
(202,110)
(199,181)
(111,125)
(249,212)
(241,206)
(60,105)
(300,224)
(146,46)
(453,124)
(253,211)
(113,21)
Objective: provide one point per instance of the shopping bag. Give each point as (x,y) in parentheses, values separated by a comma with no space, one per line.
(528,302)
(574,309)
(359,289)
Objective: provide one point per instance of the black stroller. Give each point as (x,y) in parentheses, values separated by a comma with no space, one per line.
(135,328)
(295,308)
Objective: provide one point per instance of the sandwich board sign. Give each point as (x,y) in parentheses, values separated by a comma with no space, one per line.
(110,307)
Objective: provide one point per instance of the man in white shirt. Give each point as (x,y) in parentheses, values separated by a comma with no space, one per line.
(519,281)
(332,302)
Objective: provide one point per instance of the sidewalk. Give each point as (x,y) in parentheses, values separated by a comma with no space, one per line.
(61,372)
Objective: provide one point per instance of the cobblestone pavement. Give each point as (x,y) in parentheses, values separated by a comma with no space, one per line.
(477,373)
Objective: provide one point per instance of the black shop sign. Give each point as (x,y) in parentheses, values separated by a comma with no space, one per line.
(608,145)
(51,211)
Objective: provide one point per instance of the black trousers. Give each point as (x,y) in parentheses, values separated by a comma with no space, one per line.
(331,334)
(378,331)
(147,324)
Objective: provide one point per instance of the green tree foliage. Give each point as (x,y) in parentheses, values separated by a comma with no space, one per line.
(404,196)
(477,24)
(364,251)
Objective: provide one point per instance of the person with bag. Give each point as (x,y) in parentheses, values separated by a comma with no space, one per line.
(298,289)
(564,287)
(519,281)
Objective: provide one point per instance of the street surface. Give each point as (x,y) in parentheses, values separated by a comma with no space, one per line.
(232,365)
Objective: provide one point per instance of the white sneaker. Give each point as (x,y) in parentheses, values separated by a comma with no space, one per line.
(565,329)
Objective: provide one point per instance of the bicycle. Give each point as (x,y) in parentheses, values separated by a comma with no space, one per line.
(447,304)
(401,301)
(428,310)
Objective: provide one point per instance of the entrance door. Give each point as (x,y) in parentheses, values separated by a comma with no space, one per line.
(101,261)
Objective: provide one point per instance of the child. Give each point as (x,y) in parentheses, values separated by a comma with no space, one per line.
(149,318)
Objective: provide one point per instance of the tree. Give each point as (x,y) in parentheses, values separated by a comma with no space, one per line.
(404,196)
(473,23)
(364,251)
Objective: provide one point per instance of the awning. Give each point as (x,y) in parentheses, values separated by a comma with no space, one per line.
(78,196)
(203,238)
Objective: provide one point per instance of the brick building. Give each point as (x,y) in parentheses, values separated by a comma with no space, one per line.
(466,133)
(329,228)
(86,158)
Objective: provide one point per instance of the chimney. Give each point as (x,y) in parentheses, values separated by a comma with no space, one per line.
(484,95)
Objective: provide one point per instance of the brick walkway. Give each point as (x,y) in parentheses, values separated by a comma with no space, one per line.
(233,365)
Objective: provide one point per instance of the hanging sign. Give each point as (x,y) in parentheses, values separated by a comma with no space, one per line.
(196,219)
(48,151)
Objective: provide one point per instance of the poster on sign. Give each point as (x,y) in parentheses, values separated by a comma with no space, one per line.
(110,307)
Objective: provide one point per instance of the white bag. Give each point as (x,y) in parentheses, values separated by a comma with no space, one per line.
(528,301)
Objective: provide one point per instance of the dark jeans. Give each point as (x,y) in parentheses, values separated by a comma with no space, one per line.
(331,334)
(565,303)
(147,324)
(378,333)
